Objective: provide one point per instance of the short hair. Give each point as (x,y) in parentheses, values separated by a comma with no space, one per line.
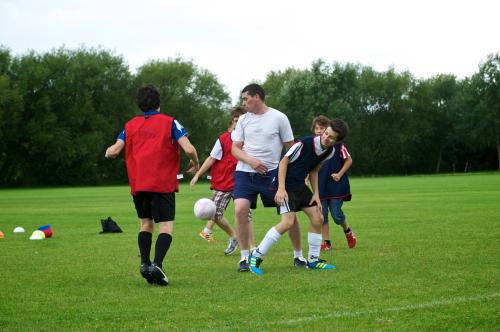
(147,98)
(255,89)
(320,120)
(340,127)
(236,111)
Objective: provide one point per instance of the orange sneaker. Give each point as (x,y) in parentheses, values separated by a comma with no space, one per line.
(207,236)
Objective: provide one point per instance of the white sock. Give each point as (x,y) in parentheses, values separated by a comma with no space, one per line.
(272,236)
(207,231)
(297,253)
(314,241)
(244,254)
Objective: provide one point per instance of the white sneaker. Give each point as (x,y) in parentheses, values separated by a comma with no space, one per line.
(231,246)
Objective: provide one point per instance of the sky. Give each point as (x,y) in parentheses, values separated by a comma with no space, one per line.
(242,41)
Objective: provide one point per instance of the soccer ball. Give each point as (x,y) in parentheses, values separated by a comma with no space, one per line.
(204,209)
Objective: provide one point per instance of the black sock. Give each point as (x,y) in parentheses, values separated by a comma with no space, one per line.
(162,244)
(347,230)
(144,239)
(328,242)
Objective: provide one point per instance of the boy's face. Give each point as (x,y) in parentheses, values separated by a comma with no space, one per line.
(318,129)
(329,137)
(233,123)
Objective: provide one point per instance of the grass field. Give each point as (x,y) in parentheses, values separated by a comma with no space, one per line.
(428,258)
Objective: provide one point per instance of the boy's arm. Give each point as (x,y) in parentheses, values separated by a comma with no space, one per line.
(281,194)
(313,176)
(238,153)
(114,150)
(347,164)
(204,167)
(194,163)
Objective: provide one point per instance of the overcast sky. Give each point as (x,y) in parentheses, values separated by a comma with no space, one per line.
(241,41)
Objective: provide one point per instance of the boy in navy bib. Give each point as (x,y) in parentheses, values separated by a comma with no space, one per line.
(304,157)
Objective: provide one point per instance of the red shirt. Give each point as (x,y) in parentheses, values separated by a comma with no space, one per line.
(223,169)
(151,155)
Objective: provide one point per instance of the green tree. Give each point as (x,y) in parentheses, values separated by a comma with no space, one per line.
(193,96)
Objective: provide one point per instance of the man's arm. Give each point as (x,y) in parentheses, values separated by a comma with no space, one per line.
(205,167)
(194,163)
(238,153)
(114,150)
(288,145)
(281,194)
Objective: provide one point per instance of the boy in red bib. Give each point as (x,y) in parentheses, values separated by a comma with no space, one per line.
(152,156)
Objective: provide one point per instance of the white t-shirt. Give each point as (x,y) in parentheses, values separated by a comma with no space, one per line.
(217,152)
(262,136)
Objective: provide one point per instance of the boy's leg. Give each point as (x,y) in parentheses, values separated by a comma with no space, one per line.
(340,219)
(325,229)
(314,238)
(144,241)
(272,236)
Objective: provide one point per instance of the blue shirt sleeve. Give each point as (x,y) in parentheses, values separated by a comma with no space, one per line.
(121,136)
(178,130)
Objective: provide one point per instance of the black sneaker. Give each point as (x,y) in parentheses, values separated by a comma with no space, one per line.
(158,275)
(300,262)
(244,266)
(146,273)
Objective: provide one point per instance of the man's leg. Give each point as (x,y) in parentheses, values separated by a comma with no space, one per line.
(144,241)
(163,242)
(241,209)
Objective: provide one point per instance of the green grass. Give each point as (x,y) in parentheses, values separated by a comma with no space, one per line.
(427,259)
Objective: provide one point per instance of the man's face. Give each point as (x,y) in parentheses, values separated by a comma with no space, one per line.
(329,137)
(318,129)
(249,103)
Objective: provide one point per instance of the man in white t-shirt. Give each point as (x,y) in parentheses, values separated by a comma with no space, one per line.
(258,141)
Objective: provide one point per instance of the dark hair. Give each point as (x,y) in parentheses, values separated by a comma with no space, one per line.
(236,111)
(255,89)
(147,98)
(320,120)
(340,127)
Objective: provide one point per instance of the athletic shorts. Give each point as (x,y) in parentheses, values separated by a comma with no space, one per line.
(221,200)
(297,200)
(248,185)
(156,206)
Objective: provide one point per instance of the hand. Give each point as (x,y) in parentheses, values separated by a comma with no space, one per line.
(258,166)
(316,199)
(193,182)
(193,167)
(281,196)
(336,177)
(109,153)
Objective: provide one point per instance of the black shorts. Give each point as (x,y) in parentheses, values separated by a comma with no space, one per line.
(156,206)
(297,200)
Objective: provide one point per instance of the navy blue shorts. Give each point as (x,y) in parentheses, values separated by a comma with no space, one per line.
(248,185)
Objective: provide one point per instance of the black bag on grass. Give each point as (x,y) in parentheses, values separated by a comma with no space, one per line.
(110,226)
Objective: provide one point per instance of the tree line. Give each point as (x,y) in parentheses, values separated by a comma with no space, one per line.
(59,110)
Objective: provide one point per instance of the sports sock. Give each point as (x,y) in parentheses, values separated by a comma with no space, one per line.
(244,254)
(144,240)
(272,236)
(314,241)
(207,230)
(328,242)
(297,253)
(162,244)
(347,230)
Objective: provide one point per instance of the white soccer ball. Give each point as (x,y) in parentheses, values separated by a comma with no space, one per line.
(204,209)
